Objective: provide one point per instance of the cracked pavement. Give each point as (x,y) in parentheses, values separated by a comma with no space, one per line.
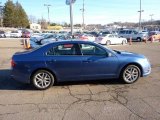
(91,100)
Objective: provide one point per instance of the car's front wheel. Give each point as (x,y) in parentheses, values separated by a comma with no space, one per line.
(42,79)
(130,74)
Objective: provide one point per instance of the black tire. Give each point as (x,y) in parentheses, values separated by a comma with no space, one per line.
(42,79)
(108,42)
(139,39)
(130,74)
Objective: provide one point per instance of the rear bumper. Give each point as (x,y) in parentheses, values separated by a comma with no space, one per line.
(19,76)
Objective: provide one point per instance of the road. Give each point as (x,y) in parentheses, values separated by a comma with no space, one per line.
(98,100)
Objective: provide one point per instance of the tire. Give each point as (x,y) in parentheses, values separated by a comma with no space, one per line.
(139,39)
(42,79)
(108,42)
(130,74)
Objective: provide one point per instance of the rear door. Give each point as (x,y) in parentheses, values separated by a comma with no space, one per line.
(65,61)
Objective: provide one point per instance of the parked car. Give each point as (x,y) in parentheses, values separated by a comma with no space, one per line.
(8,34)
(2,34)
(76,60)
(154,35)
(16,34)
(87,37)
(37,38)
(103,33)
(34,45)
(47,38)
(26,34)
(36,33)
(110,39)
(129,33)
(95,34)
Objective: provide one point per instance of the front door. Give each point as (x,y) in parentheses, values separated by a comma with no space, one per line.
(96,64)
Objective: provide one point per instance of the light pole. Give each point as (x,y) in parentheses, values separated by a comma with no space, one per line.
(151,15)
(140,16)
(48,5)
(70,3)
(71,18)
(83,15)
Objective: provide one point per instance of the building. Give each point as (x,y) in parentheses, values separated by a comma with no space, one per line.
(35,26)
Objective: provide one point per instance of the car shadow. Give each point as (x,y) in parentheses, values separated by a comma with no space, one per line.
(6,83)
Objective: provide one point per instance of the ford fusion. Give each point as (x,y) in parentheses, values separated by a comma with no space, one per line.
(76,60)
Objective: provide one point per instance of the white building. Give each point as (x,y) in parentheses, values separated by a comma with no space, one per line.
(35,26)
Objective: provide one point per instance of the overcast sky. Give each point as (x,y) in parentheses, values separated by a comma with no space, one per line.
(96,11)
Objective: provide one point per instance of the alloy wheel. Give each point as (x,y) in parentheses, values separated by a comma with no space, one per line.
(43,79)
(131,74)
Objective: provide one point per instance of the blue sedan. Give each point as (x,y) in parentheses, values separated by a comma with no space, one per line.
(76,60)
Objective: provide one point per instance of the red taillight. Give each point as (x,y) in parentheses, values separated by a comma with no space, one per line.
(13,64)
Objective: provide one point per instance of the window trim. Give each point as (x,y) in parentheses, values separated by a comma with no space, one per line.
(63,55)
(94,54)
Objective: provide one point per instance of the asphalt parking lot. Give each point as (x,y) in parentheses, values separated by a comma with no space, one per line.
(98,100)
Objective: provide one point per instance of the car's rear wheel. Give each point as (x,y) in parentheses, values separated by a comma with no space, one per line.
(130,74)
(42,79)
(108,42)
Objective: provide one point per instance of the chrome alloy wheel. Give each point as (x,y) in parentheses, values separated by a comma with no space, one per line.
(131,74)
(43,79)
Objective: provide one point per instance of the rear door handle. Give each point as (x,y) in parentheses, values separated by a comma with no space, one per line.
(87,61)
(53,60)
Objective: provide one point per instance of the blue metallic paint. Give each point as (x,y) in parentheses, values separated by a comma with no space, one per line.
(76,67)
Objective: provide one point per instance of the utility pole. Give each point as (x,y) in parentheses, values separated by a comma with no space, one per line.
(48,5)
(83,25)
(71,18)
(140,16)
(151,15)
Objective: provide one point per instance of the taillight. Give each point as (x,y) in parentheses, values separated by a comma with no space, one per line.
(13,64)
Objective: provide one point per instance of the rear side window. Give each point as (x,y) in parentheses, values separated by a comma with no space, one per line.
(64,49)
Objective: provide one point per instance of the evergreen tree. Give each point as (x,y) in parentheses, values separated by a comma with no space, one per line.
(14,15)
(21,16)
(8,13)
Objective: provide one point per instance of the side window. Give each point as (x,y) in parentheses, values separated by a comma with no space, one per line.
(64,49)
(92,50)
(122,32)
(129,32)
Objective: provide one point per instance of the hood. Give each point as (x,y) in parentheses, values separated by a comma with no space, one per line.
(129,54)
